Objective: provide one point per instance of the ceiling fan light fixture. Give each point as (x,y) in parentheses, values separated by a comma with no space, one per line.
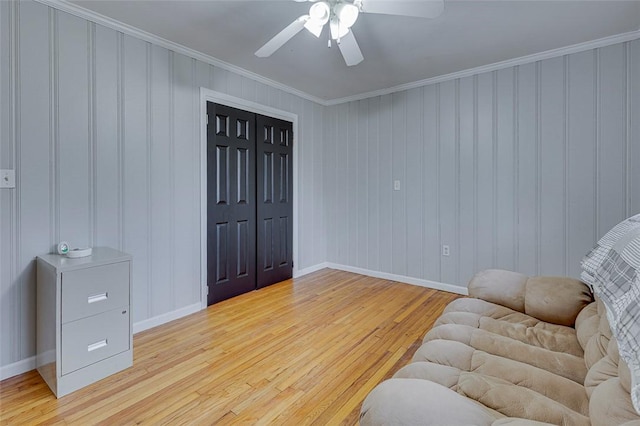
(341,16)
(320,13)
(347,13)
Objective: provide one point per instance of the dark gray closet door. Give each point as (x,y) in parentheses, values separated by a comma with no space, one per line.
(275,200)
(231,202)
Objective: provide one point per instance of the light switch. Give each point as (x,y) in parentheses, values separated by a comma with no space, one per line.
(7,178)
(396,185)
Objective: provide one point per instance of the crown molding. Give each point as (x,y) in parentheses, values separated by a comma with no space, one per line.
(554,53)
(81,12)
(65,6)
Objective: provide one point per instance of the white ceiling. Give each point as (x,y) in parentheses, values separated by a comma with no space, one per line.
(397,50)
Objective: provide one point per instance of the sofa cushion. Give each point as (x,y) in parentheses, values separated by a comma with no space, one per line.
(504,288)
(608,384)
(421,402)
(517,401)
(506,322)
(565,364)
(442,344)
(485,309)
(598,343)
(625,375)
(557,300)
(587,323)
(555,389)
(444,375)
(610,404)
(604,369)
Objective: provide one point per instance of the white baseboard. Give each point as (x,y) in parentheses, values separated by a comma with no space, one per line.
(310,269)
(16,368)
(165,318)
(451,288)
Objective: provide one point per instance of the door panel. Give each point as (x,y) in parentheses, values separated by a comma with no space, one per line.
(275,209)
(244,181)
(284,239)
(267,242)
(222,265)
(284,178)
(222,175)
(231,207)
(267,177)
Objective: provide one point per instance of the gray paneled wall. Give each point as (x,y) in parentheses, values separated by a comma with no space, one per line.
(522,168)
(103,131)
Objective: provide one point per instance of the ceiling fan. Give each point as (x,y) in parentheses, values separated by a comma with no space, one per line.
(341,15)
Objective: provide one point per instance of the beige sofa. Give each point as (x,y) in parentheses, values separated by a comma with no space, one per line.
(521,351)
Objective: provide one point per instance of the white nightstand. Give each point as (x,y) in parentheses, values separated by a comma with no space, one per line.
(84,331)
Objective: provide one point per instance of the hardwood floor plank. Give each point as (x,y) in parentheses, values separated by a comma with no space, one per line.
(361,391)
(304,351)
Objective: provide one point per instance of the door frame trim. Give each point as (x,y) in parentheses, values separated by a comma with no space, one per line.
(208,95)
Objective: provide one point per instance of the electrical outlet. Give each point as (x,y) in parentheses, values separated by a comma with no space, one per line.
(445,250)
(7,178)
(396,185)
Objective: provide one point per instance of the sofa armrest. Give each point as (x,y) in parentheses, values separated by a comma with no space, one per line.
(556,300)
(420,402)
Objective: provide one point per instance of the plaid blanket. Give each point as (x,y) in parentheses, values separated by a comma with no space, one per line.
(614,269)
(595,257)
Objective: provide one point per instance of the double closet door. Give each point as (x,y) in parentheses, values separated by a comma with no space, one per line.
(249,201)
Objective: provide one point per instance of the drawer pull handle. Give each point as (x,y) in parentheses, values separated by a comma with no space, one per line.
(97,345)
(97,298)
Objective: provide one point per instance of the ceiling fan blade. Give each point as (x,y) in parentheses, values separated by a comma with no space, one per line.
(282,37)
(350,49)
(418,8)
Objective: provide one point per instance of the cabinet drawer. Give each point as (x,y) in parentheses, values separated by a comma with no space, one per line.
(93,339)
(90,291)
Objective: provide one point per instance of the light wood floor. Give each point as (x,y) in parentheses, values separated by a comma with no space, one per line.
(302,351)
